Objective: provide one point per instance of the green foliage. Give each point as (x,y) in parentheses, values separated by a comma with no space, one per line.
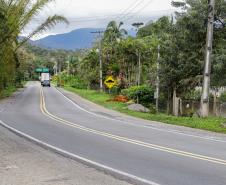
(114,32)
(15,15)
(158,28)
(193,95)
(223,97)
(144,94)
(8,91)
(210,124)
(74,81)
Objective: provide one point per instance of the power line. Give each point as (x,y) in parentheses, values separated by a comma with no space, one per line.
(137,12)
(93,18)
(129,8)
(100,18)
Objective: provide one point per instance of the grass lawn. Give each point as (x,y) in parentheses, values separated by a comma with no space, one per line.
(211,124)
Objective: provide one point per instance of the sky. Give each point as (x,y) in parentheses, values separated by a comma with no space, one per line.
(97,13)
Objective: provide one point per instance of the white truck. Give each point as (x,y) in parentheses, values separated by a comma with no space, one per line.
(45,79)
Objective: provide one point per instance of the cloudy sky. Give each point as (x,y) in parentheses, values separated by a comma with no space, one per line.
(97,13)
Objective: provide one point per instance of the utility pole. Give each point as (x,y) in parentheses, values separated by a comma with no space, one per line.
(59,76)
(55,68)
(208,54)
(139,68)
(100,58)
(157,80)
(68,67)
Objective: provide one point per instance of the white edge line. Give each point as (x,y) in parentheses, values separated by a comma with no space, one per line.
(108,170)
(162,130)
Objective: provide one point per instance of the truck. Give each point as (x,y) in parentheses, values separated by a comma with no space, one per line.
(45,79)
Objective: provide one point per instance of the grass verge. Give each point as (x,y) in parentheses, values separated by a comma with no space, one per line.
(7,92)
(10,90)
(214,124)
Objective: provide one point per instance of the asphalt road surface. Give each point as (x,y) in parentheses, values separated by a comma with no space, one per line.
(128,146)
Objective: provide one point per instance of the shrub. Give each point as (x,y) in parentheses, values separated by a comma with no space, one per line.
(144,94)
(193,95)
(223,97)
(78,84)
(152,109)
(73,81)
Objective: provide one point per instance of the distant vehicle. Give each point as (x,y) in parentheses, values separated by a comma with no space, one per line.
(46,83)
(45,79)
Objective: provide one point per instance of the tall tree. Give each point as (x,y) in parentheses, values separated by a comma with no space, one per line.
(15,15)
(114,32)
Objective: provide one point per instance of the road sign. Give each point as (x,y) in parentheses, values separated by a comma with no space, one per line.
(42,70)
(110,82)
(39,70)
(45,70)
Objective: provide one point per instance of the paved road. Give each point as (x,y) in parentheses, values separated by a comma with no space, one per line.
(24,163)
(128,145)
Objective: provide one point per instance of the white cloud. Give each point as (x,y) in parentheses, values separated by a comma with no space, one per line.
(97,13)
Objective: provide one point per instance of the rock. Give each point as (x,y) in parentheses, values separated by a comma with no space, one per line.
(138,108)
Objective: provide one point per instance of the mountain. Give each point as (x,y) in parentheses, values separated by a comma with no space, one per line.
(77,39)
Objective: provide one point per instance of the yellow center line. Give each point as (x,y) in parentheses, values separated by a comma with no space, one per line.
(124,139)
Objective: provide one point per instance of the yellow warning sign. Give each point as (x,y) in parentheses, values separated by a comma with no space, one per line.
(110,82)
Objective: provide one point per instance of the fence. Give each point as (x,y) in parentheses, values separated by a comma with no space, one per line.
(192,108)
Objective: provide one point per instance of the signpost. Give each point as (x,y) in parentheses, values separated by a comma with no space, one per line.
(110,82)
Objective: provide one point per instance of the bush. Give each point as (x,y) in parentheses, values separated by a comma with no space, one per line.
(223,97)
(144,94)
(193,95)
(78,84)
(73,81)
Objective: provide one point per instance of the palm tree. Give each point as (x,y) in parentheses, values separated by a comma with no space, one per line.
(19,14)
(15,15)
(114,32)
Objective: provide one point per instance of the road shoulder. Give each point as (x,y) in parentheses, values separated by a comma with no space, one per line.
(112,114)
(23,162)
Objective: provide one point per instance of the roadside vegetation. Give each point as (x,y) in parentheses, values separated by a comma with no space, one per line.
(180,42)
(8,92)
(177,43)
(214,124)
(15,61)
(132,61)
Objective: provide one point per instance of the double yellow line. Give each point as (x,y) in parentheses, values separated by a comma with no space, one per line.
(124,139)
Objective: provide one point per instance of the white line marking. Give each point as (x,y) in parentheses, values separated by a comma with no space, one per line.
(133,124)
(130,176)
(123,139)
